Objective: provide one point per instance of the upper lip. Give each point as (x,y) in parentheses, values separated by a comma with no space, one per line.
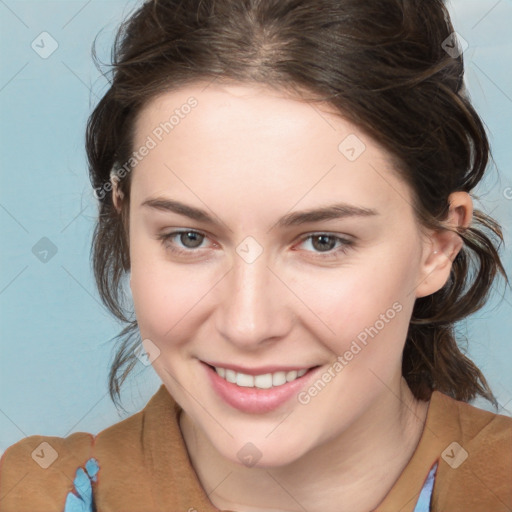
(260,370)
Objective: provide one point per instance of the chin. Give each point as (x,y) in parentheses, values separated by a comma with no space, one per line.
(261,454)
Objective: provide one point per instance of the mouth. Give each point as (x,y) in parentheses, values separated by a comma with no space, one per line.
(255,392)
(261,378)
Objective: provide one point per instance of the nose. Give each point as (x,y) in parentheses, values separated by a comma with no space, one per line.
(254,308)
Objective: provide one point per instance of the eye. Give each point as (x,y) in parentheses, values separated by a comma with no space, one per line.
(325,243)
(190,240)
(187,242)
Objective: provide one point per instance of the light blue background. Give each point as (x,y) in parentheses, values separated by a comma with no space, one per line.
(55,350)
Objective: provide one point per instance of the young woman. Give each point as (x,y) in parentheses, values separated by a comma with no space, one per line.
(286,187)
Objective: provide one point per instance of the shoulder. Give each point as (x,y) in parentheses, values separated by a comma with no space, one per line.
(51,473)
(83,471)
(38,472)
(481,431)
(476,464)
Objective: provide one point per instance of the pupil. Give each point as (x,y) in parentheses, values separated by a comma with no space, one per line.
(193,237)
(322,239)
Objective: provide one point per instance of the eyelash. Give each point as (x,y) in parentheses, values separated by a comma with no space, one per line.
(346,244)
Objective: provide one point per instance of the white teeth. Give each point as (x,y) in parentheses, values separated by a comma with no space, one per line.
(278,378)
(264,381)
(246,381)
(291,376)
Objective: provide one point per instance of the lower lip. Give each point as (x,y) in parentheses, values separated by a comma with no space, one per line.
(256,400)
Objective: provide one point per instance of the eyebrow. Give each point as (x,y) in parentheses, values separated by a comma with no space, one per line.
(333,211)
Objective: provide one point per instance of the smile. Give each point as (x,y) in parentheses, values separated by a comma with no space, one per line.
(264,381)
(257,390)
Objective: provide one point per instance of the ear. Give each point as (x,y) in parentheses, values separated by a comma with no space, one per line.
(443,245)
(117,195)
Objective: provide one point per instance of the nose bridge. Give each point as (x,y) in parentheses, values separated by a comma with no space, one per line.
(252,310)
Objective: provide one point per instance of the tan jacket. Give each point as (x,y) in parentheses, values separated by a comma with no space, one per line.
(144,465)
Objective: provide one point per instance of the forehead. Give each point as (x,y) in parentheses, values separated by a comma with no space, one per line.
(260,111)
(256,142)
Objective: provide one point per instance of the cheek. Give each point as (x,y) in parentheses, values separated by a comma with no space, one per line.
(370,299)
(166,296)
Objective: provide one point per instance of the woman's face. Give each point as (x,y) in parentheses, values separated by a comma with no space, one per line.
(261,283)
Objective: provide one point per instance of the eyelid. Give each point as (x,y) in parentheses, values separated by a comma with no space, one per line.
(344,238)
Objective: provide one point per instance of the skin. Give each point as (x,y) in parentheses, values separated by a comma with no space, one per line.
(250,155)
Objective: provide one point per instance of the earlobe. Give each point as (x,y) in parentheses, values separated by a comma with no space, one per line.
(438,263)
(444,245)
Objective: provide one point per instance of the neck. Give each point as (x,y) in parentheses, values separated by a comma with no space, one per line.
(352,472)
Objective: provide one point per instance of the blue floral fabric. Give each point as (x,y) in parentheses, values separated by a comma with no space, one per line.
(80,499)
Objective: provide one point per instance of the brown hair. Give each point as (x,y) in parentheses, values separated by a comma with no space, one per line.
(383,66)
